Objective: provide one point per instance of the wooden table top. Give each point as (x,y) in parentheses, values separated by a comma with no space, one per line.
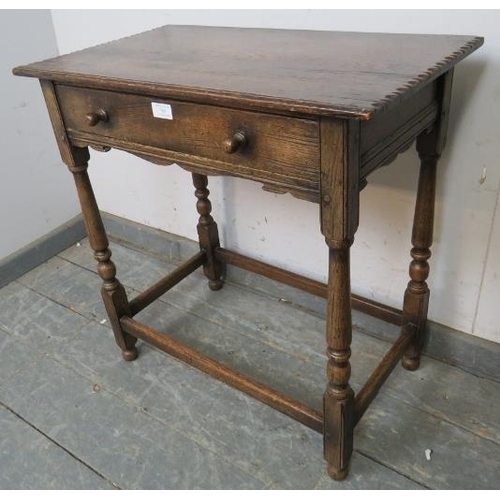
(343,74)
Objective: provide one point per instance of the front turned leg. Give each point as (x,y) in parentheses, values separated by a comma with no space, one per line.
(113,293)
(208,234)
(416,299)
(338,400)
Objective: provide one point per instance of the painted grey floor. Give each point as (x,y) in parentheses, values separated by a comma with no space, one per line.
(74,415)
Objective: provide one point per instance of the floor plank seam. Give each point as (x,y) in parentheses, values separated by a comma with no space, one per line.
(281,300)
(177,262)
(83,375)
(137,407)
(131,246)
(52,299)
(277,347)
(252,331)
(307,311)
(240,287)
(88,269)
(286,302)
(266,342)
(440,417)
(189,436)
(464,369)
(94,318)
(35,353)
(75,331)
(78,459)
(16,372)
(163,299)
(379,462)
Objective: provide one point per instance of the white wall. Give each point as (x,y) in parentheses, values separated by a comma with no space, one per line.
(36,195)
(280,229)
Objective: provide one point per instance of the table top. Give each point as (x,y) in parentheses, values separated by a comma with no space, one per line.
(342,74)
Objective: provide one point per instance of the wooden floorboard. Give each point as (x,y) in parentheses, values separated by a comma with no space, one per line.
(164,418)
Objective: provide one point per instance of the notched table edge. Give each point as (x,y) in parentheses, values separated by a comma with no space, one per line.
(431,73)
(253,102)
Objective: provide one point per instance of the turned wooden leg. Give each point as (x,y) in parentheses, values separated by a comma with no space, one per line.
(207,233)
(416,299)
(113,293)
(338,400)
(115,299)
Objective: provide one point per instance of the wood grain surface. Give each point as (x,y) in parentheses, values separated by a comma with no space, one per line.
(279,145)
(314,72)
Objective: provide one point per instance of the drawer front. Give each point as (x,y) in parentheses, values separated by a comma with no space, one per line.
(272,147)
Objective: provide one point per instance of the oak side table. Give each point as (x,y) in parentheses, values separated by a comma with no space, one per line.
(309,113)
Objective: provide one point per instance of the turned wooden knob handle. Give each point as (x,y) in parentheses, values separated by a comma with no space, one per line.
(235,143)
(98,116)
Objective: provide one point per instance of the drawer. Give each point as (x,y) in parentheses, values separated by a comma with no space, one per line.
(273,147)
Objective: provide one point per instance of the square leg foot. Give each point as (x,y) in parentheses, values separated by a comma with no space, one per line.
(338,475)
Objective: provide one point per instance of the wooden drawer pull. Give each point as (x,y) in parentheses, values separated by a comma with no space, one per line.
(94,118)
(235,143)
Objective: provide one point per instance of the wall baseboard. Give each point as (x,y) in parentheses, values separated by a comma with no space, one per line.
(471,353)
(34,254)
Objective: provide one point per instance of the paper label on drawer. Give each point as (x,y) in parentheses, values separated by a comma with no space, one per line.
(162,110)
